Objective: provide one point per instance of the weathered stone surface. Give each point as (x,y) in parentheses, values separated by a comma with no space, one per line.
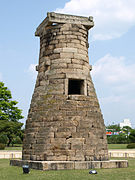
(60,165)
(63,18)
(64,121)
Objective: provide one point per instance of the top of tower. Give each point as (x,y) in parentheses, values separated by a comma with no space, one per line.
(53,17)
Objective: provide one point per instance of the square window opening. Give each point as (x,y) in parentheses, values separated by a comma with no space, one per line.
(76,86)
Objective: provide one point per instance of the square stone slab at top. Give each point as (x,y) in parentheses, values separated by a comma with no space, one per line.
(53,17)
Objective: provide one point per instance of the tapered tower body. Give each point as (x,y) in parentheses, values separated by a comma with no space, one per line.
(65,122)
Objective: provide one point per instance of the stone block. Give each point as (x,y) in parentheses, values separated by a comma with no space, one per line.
(64,40)
(76,41)
(57,76)
(65,28)
(66,55)
(70,50)
(67,129)
(58,50)
(82,39)
(55,56)
(73,66)
(83,31)
(67,32)
(63,60)
(67,50)
(75,76)
(76,141)
(83,43)
(77,147)
(96,164)
(56,158)
(80,56)
(71,37)
(77,61)
(82,51)
(60,37)
(69,44)
(80,46)
(59,165)
(59,66)
(81,165)
(62,134)
(61,45)
(58,141)
(53,42)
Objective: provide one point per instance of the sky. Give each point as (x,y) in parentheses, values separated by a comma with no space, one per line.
(111,51)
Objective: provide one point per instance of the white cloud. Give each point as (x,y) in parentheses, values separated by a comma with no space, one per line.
(112,18)
(114,80)
(114,70)
(115,77)
(32,70)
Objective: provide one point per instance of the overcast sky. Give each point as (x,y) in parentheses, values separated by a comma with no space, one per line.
(111,51)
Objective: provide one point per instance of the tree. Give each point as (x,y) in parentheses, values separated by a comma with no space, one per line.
(115,127)
(9,114)
(132,136)
(127,131)
(117,139)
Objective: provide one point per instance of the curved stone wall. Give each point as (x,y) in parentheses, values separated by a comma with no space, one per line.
(65,121)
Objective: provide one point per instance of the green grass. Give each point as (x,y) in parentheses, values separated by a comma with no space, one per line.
(117,146)
(13,148)
(17,147)
(8,172)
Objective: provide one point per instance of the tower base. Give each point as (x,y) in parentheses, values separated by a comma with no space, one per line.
(63,165)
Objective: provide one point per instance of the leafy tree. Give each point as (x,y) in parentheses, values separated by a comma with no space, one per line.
(132,136)
(16,140)
(9,114)
(21,134)
(127,131)
(3,139)
(117,139)
(115,127)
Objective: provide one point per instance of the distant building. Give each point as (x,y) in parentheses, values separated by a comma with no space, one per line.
(126,122)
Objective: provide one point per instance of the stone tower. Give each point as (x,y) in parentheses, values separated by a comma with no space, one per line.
(64,122)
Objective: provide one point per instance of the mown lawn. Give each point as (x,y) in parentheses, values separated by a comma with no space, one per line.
(17,147)
(13,148)
(117,146)
(8,172)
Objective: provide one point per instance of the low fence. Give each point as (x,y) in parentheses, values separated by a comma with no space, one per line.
(122,153)
(10,154)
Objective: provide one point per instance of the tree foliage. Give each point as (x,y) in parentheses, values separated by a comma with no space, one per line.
(9,115)
(115,127)
(122,138)
(132,136)
(117,139)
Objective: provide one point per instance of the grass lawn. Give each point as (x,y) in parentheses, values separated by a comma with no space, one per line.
(8,172)
(117,146)
(13,148)
(17,147)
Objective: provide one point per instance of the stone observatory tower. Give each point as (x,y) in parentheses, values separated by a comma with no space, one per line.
(64,122)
